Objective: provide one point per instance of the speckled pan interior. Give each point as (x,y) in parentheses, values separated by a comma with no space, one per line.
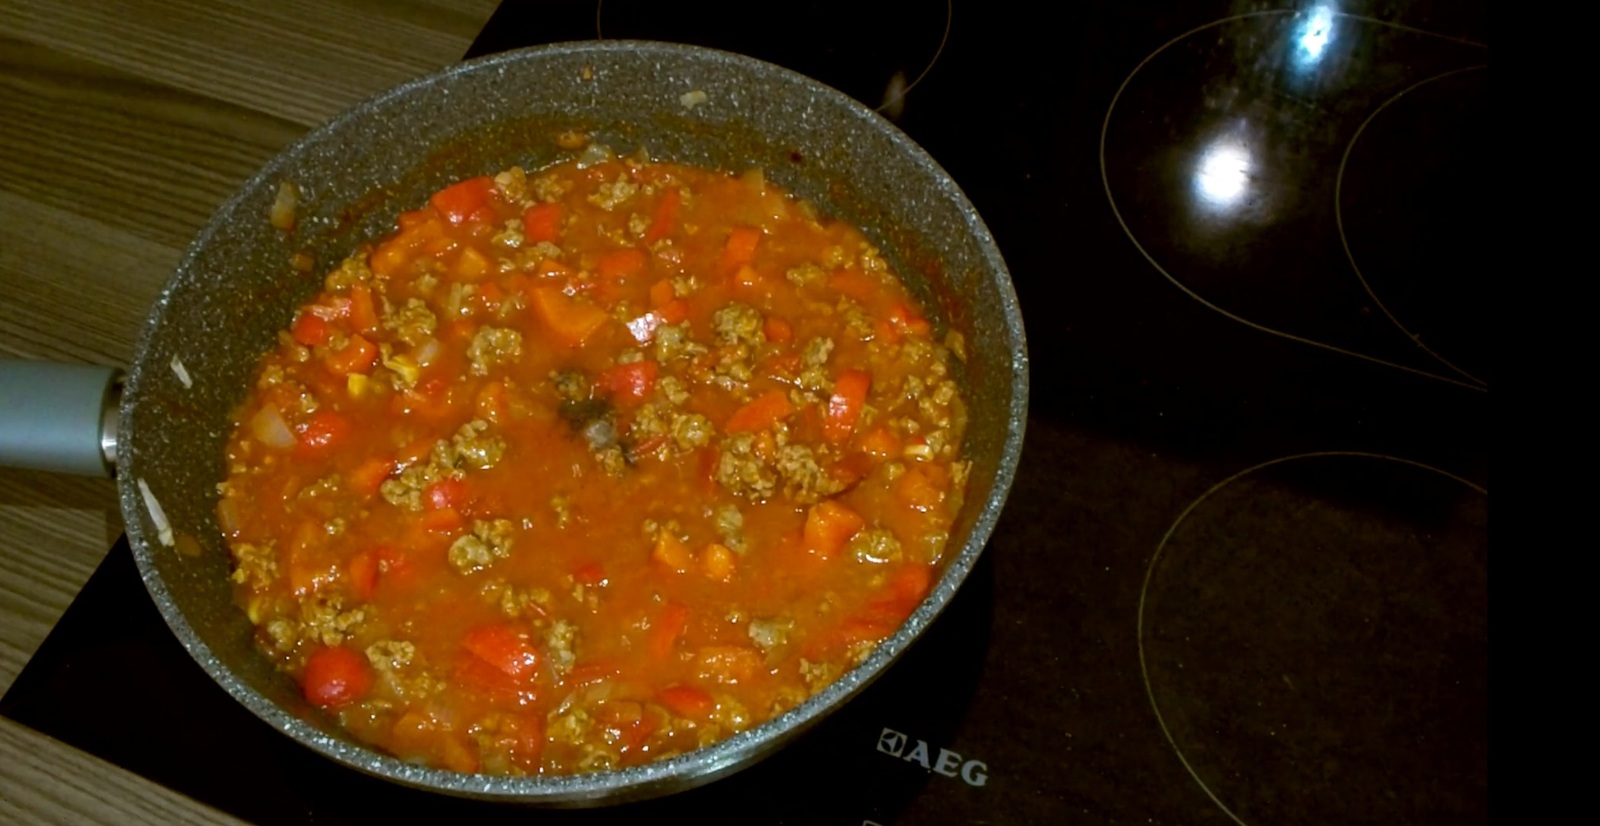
(235,288)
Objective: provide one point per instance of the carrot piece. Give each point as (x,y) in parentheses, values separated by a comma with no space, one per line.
(662,294)
(856,285)
(357,356)
(573,322)
(716,562)
(471,265)
(589,573)
(906,320)
(668,627)
(777,330)
(920,489)
(363,313)
(671,552)
(674,311)
(502,647)
(829,525)
(491,402)
(665,218)
(363,572)
(542,222)
(879,443)
(730,664)
(620,264)
(686,701)
(458,202)
(335,677)
(760,413)
(740,248)
(443,520)
(310,329)
(391,259)
(844,406)
(633,381)
(368,476)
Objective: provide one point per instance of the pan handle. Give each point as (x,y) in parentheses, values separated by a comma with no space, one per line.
(59,417)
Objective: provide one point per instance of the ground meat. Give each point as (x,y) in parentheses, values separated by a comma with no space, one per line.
(856,321)
(520,602)
(770,634)
(738,324)
(397,666)
(817,675)
(729,521)
(470,447)
(413,323)
(673,341)
(741,471)
(512,184)
(691,430)
(550,187)
(255,564)
(611,194)
(804,480)
(871,260)
(571,385)
(489,542)
(560,646)
(877,545)
(806,275)
(732,371)
(671,388)
(816,351)
(323,620)
(351,271)
(491,346)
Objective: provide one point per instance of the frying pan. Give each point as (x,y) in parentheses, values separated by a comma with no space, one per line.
(235,288)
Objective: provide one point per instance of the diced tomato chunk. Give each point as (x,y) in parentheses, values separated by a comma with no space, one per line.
(335,677)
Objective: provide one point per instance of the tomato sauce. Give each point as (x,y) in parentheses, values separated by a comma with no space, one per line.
(585,467)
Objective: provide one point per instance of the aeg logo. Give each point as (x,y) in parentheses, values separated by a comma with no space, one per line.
(947,763)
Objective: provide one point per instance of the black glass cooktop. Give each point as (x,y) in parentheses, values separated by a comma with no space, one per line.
(1243,574)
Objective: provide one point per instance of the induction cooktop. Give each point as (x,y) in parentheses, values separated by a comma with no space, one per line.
(1243,573)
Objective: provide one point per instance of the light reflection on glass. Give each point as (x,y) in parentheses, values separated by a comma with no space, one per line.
(1315,33)
(1222,178)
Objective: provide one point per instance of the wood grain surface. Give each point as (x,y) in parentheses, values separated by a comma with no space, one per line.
(123,125)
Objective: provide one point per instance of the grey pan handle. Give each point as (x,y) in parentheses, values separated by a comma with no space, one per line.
(59,417)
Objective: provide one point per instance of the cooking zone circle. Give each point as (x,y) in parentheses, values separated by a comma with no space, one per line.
(1232,195)
(874,52)
(1310,628)
(1411,215)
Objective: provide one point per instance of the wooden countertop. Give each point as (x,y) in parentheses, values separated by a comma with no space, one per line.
(123,125)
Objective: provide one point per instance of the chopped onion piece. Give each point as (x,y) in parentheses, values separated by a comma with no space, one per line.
(692,99)
(181,372)
(269,428)
(594,154)
(228,516)
(158,516)
(426,352)
(282,215)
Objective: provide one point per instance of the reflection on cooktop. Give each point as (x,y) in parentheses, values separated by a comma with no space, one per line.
(1331,665)
(874,52)
(1231,192)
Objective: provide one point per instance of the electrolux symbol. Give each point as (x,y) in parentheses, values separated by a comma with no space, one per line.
(947,763)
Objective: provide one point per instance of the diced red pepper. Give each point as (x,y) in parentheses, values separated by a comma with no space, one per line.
(542,222)
(357,356)
(761,413)
(844,406)
(322,431)
(665,218)
(668,626)
(335,677)
(445,493)
(458,202)
(632,381)
(501,646)
(311,329)
(686,701)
